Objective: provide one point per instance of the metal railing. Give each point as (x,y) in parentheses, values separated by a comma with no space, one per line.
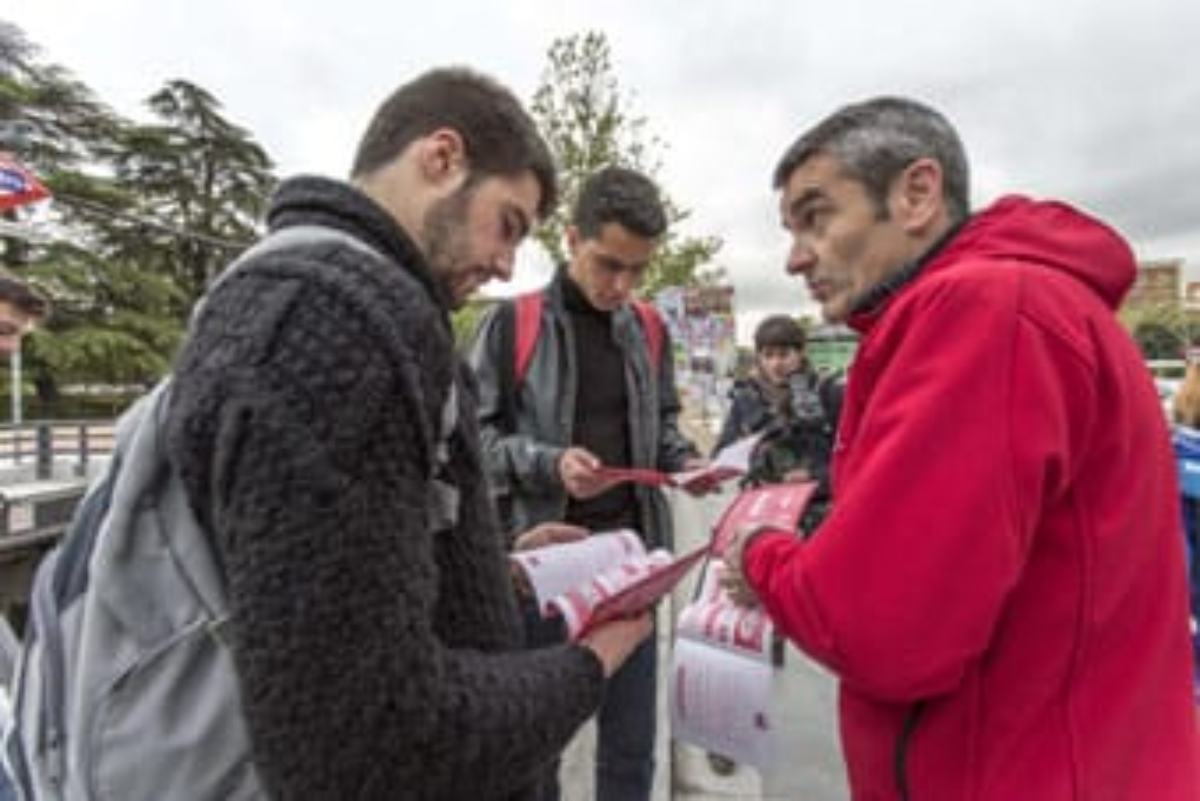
(43,443)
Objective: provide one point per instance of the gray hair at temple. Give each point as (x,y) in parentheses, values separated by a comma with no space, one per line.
(875,140)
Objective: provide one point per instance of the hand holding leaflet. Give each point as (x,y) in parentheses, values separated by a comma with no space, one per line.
(604,577)
(774,506)
(610,575)
(730,462)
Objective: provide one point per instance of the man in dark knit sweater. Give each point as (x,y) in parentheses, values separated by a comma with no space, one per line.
(591,397)
(374,627)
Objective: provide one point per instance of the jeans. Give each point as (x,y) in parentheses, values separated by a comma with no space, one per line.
(625,724)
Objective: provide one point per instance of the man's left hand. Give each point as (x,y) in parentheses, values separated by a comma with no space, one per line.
(540,536)
(545,534)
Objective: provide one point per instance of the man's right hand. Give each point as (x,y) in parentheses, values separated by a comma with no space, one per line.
(577,468)
(613,642)
(733,577)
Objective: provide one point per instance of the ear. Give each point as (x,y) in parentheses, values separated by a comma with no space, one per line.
(442,157)
(918,201)
(573,239)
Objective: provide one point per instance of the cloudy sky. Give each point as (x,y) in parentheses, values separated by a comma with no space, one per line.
(1093,101)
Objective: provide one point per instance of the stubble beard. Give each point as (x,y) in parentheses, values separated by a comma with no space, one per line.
(444,234)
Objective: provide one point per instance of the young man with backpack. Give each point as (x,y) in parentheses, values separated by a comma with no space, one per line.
(294,587)
(578,377)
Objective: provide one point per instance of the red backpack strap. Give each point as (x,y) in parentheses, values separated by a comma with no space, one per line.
(654,329)
(527,310)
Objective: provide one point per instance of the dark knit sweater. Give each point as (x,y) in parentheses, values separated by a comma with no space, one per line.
(376,657)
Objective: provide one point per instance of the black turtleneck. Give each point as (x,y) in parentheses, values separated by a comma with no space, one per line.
(601,410)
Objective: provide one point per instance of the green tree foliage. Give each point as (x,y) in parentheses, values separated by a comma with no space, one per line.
(466,321)
(143,217)
(60,129)
(196,172)
(57,127)
(1161,331)
(589,124)
(1158,341)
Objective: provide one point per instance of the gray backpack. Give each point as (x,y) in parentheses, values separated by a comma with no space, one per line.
(124,690)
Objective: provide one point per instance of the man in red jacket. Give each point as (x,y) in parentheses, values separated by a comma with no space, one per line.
(1000,586)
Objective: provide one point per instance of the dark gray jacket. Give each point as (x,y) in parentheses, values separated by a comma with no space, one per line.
(524,432)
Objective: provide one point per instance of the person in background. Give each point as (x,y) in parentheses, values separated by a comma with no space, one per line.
(594,395)
(1185,407)
(796,408)
(999,586)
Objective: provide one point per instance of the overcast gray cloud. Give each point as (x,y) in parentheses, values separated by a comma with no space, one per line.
(1096,102)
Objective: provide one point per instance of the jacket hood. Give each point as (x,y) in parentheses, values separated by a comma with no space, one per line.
(1048,233)
(1052,234)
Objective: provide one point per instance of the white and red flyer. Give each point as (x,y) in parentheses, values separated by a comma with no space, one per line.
(725,656)
(604,577)
(721,677)
(775,506)
(730,462)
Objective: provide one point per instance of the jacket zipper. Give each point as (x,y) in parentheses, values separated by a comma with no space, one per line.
(902,744)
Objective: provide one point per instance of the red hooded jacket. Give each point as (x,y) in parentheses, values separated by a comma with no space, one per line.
(1001,585)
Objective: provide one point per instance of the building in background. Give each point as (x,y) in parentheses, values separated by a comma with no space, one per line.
(704,337)
(1191,296)
(1157,283)
(1162,316)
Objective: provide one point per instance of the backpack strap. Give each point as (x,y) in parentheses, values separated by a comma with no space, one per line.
(527,326)
(655,330)
(280,239)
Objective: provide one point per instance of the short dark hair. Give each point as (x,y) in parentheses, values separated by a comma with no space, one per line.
(875,140)
(15,291)
(779,331)
(623,196)
(499,135)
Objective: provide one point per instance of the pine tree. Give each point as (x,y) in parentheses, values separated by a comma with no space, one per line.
(143,217)
(589,124)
